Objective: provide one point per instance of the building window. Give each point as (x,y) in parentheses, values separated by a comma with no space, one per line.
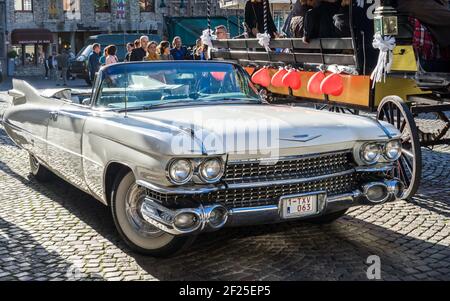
(30,54)
(147,5)
(102,6)
(52,10)
(72,9)
(23,5)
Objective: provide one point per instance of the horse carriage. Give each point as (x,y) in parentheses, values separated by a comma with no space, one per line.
(334,74)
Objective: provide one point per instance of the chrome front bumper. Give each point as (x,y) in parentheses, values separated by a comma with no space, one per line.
(164,218)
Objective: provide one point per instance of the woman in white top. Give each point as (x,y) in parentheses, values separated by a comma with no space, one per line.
(111,57)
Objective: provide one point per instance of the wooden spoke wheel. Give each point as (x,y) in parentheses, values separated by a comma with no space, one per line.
(409,167)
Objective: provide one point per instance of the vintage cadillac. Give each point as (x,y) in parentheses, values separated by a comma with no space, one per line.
(180,148)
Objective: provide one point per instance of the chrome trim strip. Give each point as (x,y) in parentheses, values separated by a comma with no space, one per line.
(238,211)
(345,197)
(179,190)
(288,158)
(289,181)
(208,189)
(374,169)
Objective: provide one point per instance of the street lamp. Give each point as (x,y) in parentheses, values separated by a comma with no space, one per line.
(386,20)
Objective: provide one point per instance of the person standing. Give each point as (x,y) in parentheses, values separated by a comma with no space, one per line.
(63,66)
(94,61)
(179,52)
(254,18)
(111,57)
(221,32)
(102,59)
(434,14)
(47,69)
(164,51)
(130,47)
(138,54)
(151,52)
(50,65)
(198,50)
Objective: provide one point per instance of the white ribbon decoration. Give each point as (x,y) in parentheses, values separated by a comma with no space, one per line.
(386,46)
(207,37)
(341,69)
(264,40)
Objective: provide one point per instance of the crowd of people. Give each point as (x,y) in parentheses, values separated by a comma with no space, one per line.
(57,67)
(145,50)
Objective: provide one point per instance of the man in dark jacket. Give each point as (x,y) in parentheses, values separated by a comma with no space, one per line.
(319,21)
(138,54)
(179,52)
(254,18)
(130,47)
(63,66)
(94,61)
(434,14)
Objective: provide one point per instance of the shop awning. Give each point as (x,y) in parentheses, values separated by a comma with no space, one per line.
(31,36)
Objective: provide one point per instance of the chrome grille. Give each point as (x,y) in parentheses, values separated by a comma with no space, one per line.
(267,195)
(288,168)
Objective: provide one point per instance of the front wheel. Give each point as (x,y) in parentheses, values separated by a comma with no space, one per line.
(126,200)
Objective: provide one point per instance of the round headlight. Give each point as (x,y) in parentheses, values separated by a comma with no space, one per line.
(180,171)
(211,170)
(370,153)
(393,150)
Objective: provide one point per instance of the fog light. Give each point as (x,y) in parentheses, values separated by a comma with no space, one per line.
(218,217)
(186,221)
(396,188)
(376,192)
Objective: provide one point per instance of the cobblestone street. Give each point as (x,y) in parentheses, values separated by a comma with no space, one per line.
(53,231)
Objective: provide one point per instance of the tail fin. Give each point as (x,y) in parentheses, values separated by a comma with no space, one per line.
(22,92)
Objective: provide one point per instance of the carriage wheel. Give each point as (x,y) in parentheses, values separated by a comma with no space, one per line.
(409,167)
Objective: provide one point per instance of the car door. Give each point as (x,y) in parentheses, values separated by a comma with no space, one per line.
(64,136)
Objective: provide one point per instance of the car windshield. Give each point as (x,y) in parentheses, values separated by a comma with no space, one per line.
(148,84)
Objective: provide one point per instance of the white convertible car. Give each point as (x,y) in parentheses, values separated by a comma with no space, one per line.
(180,148)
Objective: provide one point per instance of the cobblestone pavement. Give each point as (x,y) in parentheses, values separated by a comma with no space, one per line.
(53,231)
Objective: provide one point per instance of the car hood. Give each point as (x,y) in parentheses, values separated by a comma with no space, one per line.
(255,128)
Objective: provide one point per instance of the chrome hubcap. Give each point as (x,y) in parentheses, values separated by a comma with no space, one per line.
(134,199)
(34,163)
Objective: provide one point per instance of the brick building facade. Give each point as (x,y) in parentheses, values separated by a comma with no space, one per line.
(34,28)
